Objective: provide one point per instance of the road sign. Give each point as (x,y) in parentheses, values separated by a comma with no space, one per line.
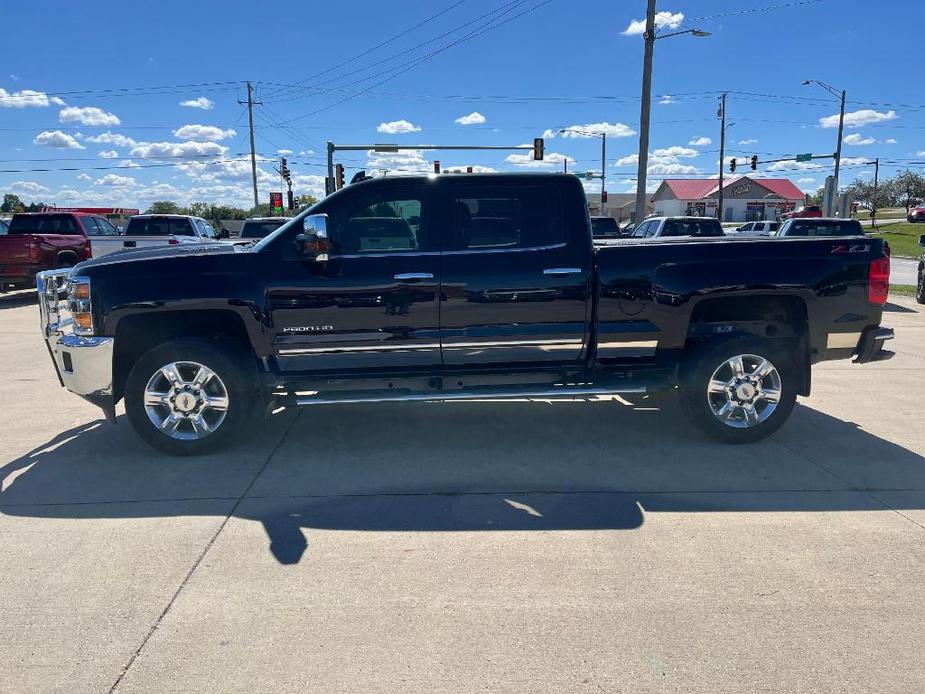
(805,157)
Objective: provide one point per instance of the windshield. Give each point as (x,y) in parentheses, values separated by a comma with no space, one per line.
(257,230)
(43,224)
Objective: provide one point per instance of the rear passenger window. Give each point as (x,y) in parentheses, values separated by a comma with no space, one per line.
(508,217)
(89,225)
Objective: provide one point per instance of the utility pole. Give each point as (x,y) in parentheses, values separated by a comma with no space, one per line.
(841,127)
(645,104)
(603,171)
(565,165)
(722,154)
(250,121)
(873,205)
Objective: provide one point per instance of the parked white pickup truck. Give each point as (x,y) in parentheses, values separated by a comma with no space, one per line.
(148,230)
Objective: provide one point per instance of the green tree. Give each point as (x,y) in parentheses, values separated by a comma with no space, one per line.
(12,203)
(163,207)
(304,202)
(816,198)
(908,189)
(863,194)
(199,209)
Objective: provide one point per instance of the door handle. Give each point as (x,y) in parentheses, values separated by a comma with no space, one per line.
(562,271)
(128,244)
(411,276)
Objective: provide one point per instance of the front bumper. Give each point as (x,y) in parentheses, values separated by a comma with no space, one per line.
(83,364)
(870,346)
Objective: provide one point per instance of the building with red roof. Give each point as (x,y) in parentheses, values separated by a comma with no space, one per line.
(745,198)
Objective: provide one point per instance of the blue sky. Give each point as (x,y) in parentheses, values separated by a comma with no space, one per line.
(142,98)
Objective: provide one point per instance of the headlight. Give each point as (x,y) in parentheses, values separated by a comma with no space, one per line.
(78,303)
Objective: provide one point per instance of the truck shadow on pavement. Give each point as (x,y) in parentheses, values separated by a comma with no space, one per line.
(18,298)
(499,466)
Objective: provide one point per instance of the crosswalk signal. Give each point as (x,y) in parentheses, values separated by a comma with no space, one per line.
(468,169)
(604,196)
(732,166)
(291,200)
(754,162)
(339,176)
(538,147)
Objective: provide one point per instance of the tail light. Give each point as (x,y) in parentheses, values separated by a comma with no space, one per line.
(35,253)
(878,286)
(172,241)
(88,248)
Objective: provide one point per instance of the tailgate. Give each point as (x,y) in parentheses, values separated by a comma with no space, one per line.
(104,245)
(14,249)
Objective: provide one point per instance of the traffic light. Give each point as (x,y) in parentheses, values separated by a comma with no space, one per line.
(284,168)
(468,169)
(339,176)
(732,166)
(538,147)
(291,201)
(754,162)
(604,196)
(436,166)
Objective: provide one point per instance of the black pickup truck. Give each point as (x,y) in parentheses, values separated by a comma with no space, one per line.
(458,287)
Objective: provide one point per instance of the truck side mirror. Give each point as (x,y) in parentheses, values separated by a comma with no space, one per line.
(313,242)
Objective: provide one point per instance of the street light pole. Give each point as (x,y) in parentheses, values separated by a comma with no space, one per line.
(722,155)
(841,128)
(603,171)
(644,107)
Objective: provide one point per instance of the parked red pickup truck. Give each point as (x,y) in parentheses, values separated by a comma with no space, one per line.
(44,241)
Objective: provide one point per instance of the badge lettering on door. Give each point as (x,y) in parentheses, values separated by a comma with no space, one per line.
(308,328)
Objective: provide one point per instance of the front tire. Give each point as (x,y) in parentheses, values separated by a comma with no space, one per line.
(920,286)
(189,396)
(739,390)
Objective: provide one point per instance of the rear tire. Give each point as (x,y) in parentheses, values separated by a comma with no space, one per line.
(920,286)
(189,396)
(739,405)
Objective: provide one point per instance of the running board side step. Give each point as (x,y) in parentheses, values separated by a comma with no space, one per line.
(566,390)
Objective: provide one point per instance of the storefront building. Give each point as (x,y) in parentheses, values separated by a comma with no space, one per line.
(745,199)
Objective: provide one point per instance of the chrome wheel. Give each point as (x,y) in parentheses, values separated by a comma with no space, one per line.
(744,391)
(186,400)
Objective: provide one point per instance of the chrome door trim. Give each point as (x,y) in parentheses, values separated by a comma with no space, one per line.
(434,345)
(562,271)
(414,276)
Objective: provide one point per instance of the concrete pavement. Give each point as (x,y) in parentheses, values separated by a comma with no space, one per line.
(904,271)
(507,546)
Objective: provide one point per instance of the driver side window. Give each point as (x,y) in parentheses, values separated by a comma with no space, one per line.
(390,222)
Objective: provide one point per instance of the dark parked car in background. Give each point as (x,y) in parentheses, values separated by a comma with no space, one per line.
(606,228)
(820,227)
(258,227)
(916,214)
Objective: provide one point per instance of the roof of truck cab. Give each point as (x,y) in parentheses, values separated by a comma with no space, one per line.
(498,175)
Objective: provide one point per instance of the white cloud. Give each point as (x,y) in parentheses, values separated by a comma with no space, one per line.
(675,151)
(398,127)
(109,154)
(128,164)
(27,188)
(177,150)
(749,141)
(27,98)
(858,139)
(666,99)
(474,118)
(671,169)
(284,152)
(794,164)
(200,102)
(857,119)
(109,138)
(806,179)
(84,177)
(610,129)
(628,160)
(854,161)
(890,141)
(408,160)
(476,168)
(116,181)
(305,152)
(700,141)
(549,159)
(88,115)
(662,20)
(56,139)
(203,133)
